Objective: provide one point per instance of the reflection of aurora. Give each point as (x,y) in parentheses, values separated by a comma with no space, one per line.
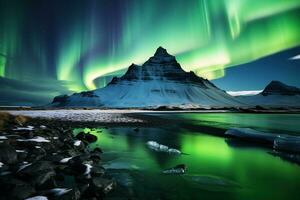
(94,41)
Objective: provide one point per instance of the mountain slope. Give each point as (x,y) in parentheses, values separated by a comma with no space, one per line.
(275,94)
(160,81)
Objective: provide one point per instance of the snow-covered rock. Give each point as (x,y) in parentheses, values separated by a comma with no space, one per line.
(160,81)
(37,198)
(65,160)
(35,139)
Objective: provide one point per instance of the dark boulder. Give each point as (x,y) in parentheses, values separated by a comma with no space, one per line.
(8,154)
(97,150)
(15,189)
(102,186)
(87,137)
(44,179)
(35,169)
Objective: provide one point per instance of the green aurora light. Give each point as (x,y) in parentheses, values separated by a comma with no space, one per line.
(207,36)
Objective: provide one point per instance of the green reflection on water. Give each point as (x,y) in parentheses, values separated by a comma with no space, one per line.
(259,174)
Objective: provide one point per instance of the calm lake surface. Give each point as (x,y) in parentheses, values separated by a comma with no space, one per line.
(217,167)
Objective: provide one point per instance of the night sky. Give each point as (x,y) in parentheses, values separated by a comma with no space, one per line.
(52,47)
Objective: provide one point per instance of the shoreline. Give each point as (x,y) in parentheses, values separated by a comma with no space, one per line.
(44,158)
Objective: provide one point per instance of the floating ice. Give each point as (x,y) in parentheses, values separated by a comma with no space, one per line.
(20,151)
(1,164)
(162,148)
(3,138)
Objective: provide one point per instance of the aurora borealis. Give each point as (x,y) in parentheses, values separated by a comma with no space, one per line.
(80,44)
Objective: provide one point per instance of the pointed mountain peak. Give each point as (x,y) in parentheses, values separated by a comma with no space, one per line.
(160,51)
(161,56)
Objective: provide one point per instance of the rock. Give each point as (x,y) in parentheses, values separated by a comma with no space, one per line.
(15,189)
(36,154)
(97,150)
(103,185)
(21,120)
(252,135)
(281,142)
(73,194)
(97,171)
(95,157)
(37,198)
(35,169)
(86,137)
(294,158)
(290,144)
(44,180)
(77,166)
(8,154)
(84,189)
(178,169)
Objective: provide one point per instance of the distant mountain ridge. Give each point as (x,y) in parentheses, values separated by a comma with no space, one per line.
(160,81)
(279,88)
(275,94)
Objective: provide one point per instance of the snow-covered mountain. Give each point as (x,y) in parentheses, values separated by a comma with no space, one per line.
(275,94)
(160,81)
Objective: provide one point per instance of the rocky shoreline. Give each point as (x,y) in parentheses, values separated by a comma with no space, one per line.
(46,161)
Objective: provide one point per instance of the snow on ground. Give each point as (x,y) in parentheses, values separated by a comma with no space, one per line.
(103,116)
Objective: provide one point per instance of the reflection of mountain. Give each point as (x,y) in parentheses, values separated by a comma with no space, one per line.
(275,94)
(160,81)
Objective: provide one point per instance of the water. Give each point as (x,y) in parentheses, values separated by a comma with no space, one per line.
(217,168)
